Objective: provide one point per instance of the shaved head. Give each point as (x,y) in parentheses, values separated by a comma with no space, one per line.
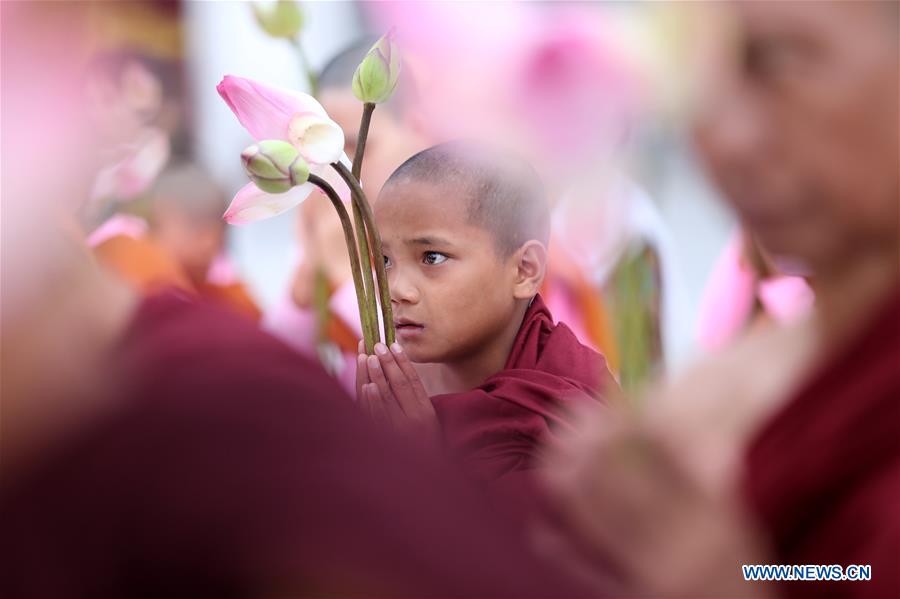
(187,189)
(504,194)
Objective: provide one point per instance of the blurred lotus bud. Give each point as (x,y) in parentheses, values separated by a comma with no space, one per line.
(376,76)
(282,18)
(275,166)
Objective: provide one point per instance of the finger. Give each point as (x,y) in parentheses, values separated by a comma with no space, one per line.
(400,384)
(376,376)
(362,374)
(392,406)
(361,347)
(375,404)
(365,403)
(363,400)
(408,369)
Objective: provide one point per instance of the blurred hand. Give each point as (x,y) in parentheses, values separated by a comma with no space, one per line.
(626,500)
(390,391)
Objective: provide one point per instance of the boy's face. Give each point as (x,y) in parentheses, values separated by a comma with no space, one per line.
(451,291)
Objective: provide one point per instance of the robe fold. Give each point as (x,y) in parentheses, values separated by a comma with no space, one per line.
(823,475)
(499,427)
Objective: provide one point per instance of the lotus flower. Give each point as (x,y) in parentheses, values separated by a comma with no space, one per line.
(270,113)
(132,174)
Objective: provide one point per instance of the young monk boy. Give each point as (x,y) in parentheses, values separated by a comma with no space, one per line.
(465,232)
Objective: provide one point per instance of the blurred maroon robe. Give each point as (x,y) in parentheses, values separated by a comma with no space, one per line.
(234,467)
(824,474)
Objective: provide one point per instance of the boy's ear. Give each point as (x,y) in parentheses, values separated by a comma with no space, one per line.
(531,264)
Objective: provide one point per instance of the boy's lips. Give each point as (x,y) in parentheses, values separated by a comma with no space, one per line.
(407,328)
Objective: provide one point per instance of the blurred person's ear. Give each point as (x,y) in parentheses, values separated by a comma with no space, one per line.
(530,262)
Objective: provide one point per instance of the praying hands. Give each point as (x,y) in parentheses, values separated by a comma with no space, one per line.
(389,390)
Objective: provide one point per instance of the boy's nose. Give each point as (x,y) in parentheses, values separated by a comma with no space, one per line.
(403,291)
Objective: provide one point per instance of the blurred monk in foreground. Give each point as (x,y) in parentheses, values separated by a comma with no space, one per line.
(784,449)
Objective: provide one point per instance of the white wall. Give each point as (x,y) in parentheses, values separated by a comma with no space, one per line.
(700,225)
(222,38)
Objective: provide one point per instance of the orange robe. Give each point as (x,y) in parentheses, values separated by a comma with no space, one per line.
(146,266)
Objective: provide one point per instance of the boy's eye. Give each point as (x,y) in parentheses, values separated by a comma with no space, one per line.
(433,258)
(387,262)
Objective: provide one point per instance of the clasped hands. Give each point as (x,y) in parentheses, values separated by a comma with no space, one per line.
(390,392)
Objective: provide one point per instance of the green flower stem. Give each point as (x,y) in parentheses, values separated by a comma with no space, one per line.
(307,68)
(368,282)
(359,197)
(354,257)
(358,222)
(364,123)
(375,238)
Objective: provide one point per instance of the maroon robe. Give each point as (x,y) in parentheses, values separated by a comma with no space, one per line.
(823,475)
(235,467)
(498,428)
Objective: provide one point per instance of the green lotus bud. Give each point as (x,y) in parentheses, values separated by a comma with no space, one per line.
(282,18)
(376,76)
(275,165)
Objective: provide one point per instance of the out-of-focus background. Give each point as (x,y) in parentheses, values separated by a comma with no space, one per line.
(598,96)
(222,38)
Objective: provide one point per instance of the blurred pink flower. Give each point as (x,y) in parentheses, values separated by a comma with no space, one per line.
(119,224)
(732,289)
(273,113)
(124,99)
(574,88)
(135,171)
(551,80)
